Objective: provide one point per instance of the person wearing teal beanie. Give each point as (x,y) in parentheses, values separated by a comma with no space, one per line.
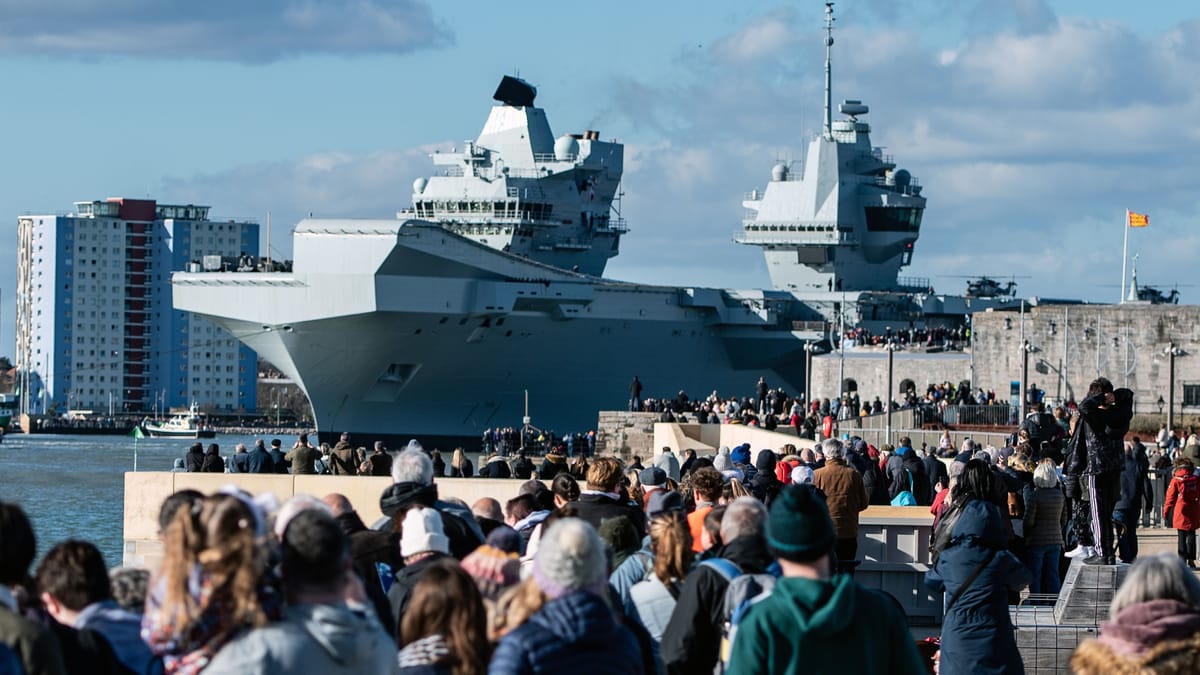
(814,621)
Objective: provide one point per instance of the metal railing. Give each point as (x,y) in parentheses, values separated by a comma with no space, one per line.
(974,415)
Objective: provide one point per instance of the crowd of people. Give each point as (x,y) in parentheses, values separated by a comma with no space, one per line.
(771,408)
(739,562)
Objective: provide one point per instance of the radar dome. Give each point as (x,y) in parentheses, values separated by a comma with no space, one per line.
(780,172)
(566,148)
(419,185)
(903,178)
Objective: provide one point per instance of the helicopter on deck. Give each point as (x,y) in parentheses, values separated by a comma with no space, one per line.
(987,287)
(1154,296)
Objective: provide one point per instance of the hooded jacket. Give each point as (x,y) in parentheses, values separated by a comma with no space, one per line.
(311,639)
(572,634)
(977,633)
(1182,504)
(1158,636)
(909,474)
(552,465)
(669,463)
(818,626)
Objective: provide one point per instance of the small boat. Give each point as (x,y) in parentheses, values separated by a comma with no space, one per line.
(189,424)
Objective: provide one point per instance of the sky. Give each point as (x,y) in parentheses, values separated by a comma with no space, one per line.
(1032,124)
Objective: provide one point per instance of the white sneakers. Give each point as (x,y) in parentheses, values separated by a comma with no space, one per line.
(1082,552)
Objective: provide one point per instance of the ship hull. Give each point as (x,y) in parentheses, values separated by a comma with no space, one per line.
(446,351)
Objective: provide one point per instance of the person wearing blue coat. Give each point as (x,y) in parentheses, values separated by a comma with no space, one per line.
(575,630)
(975,570)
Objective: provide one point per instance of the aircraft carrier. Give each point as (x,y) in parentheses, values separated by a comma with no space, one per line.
(439,322)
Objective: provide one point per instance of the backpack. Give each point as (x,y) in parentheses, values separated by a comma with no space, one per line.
(744,591)
(905,497)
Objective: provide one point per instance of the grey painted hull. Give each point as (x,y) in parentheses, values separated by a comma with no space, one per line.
(442,337)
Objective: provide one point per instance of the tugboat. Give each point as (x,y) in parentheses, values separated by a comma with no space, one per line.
(189,424)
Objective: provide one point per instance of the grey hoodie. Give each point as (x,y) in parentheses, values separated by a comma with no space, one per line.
(311,639)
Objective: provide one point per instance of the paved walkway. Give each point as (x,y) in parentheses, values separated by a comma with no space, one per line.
(1156,540)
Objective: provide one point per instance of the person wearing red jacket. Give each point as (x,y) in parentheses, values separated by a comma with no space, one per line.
(1183,495)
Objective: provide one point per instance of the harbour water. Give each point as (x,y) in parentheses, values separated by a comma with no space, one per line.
(73,486)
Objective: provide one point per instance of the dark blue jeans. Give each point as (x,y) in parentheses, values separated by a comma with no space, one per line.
(1126,523)
(1043,565)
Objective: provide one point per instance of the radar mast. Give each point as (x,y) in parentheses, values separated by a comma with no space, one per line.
(828,71)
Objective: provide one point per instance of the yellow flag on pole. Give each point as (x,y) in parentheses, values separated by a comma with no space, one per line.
(1137,219)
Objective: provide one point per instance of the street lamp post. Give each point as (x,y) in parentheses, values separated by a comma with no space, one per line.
(1026,350)
(891,346)
(810,348)
(1171,351)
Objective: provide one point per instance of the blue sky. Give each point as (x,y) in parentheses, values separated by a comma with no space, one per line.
(1032,124)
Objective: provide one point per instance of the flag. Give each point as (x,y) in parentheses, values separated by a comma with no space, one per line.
(1137,219)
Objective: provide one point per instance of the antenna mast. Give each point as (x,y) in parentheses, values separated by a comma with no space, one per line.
(828,71)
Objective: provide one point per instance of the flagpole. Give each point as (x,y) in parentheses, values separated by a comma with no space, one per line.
(1124,256)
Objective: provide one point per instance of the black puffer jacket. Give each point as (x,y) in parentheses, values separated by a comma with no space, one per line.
(1099,448)
(692,639)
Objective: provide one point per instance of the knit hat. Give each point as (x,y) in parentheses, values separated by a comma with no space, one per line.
(570,557)
(663,500)
(766,460)
(492,569)
(722,462)
(506,539)
(802,474)
(740,454)
(652,476)
(423,532)
(798,525)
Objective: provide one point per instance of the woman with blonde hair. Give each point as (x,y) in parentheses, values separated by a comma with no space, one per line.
(213,583)
(653,600)
(734,489)
(460,466)
(1045,517)
(444,629)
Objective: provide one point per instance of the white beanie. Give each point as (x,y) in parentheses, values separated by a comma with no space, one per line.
(423,532)
(802,474)
(570,557)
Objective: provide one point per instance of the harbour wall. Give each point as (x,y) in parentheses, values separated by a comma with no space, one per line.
(1076,343)
(865,370)
(893,541)
(1072,345)
(145,492)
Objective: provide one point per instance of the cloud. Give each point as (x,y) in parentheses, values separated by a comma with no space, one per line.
(1030,145)
(1030,138)
(767,36)
(220,30)
(328,185)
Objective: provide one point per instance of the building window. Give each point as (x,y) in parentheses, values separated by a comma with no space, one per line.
(1191,395)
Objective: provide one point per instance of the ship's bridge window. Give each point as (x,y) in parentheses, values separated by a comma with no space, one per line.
(893,219)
